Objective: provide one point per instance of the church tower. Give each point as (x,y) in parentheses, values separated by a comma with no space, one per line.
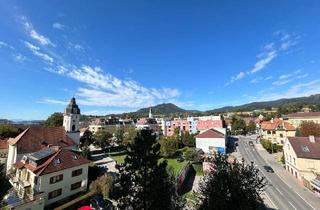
(71,118)
(150,113)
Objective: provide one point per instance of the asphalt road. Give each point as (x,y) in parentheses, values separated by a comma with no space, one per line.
(279,192)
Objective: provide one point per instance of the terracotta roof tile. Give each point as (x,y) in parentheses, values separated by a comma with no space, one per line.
(269,125)
(304,148)
(211,133)
(31,139)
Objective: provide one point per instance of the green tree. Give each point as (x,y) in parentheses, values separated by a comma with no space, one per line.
(251,127)
(7,131)
(102,138)
(238,126)
(231,186)
(169,146)
(129,136)
(191,154)
(145,184)
(86,139)
(54,120)
(4,182)
(119,134)
(188,139)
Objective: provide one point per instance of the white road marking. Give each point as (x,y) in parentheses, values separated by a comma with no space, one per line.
(292,205)
(278,191)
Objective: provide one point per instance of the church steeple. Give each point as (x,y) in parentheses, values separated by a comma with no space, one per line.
(71,118)
(150,113)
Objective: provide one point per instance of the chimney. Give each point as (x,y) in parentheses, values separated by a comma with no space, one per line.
(312,139)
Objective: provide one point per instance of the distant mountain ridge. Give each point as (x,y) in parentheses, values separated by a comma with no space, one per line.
(312,99)
(165,108)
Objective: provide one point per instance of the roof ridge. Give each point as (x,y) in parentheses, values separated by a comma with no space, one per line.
(46,164)
(17,138)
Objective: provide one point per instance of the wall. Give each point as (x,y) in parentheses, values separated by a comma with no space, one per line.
(65,184)
(296,122)
(204,143)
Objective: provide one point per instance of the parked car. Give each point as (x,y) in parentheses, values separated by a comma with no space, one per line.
(268,169)
(251,143)
(98,203)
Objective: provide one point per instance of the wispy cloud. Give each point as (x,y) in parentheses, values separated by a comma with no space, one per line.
(268,53)
(287,78)
(52,101)
(41,39)
(58,26)
(36,51)
(4,44)
(19,58)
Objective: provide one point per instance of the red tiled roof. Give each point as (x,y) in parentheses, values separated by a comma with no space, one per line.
(3,143)
(30,140)
(303,114)
(269,125)
(299,145)
(66,158)
(211,133)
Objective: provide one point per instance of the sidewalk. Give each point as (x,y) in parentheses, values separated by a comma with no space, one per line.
(287,178)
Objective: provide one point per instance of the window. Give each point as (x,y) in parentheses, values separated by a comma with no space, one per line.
(55,193)
(77,172)
(73,127)
(35,180)
(55,179)
(76,185)
(294,161)
(281,135)
(57,161)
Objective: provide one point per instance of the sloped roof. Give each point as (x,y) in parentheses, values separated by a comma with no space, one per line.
(275,123)
(32,138)
(211,133)
(303,114)
(304,148)
(66,160)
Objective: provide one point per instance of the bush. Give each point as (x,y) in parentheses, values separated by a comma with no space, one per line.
(191,154)
(270,147)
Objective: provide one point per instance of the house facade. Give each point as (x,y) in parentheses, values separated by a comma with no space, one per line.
(297,118)
(302,160)
(184,125)
(276,130)
(211,141)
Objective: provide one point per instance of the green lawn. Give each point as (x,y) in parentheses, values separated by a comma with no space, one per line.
(175,165)
(198,168)
(119,158)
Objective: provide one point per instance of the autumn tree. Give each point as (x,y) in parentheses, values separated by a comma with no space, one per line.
(309,128)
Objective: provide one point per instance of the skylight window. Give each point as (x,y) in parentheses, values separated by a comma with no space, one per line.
(75,157)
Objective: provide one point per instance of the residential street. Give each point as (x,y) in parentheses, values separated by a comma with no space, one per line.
(281,195)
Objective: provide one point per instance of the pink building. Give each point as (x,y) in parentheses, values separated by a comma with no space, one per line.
(183,124)
(209,124)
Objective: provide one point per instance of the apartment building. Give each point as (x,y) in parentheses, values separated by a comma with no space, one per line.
(302,160)
(297,118)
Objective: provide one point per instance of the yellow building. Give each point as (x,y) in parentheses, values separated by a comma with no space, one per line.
(297,118)
(276,130)
(302,160)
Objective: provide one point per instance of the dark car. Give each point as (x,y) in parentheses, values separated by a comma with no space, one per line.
(98,203)
(250,143)
(268,169)
(236,144)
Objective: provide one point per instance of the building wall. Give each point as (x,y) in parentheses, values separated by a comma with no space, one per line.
(183,124)
(65,184)
(205,143)
(12,154)
(300,168)
(296,122)
(277,136)
(208,124)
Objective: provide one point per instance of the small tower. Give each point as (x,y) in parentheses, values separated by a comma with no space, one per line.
(71,118)
(150,113)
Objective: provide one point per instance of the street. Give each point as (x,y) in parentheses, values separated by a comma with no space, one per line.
(280,194)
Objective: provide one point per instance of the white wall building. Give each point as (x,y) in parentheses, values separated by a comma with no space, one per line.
(211,141)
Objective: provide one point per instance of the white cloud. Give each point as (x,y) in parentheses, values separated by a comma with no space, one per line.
(41,39)
(268,78)
(4,44)
(19,58)
(269,52)
(105,112)
(36,51)
(52,101)
(286,78)
(58,26)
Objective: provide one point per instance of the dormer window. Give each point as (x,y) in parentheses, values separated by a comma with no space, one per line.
(305,148)
(75,157)
(57,161)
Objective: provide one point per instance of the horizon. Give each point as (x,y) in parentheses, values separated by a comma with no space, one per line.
(117,57)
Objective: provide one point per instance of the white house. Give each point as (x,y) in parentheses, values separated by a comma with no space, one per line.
(211,141)
(48,175)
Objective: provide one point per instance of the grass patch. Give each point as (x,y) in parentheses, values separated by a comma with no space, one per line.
(199,169)
(175,165)
(119,157)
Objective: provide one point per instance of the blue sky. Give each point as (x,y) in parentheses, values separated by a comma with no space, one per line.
(116,56)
